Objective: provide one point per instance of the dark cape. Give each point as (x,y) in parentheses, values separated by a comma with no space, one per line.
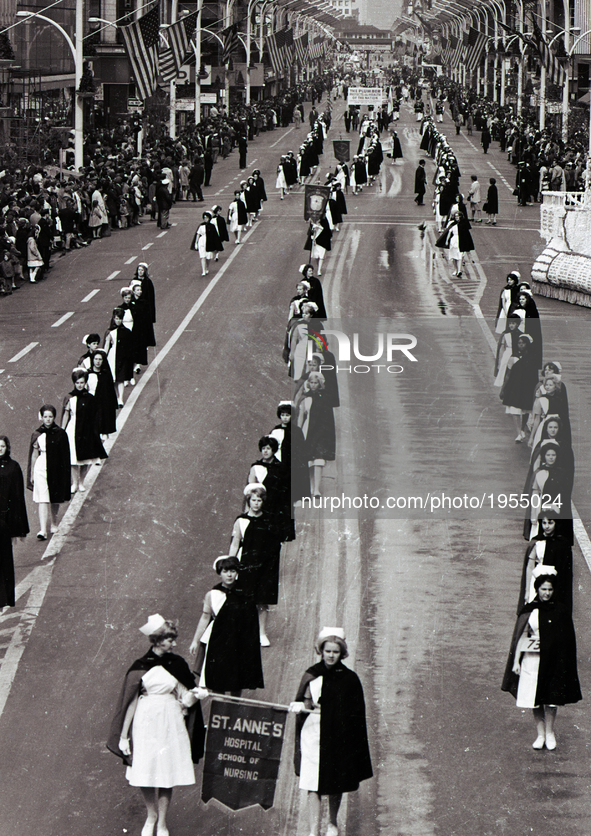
(558,681)
(259,559)
(88,442)
(13,523)
(293,458)
(177,667)
(105,400)
(316,295)
(123,353)
(233,659)
(344,750)
(520,382)
(278,502)
(320,436)
(59,475)
(149,295)
(142,331)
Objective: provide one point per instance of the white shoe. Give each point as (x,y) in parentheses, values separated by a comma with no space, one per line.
(265,641)
(81,487)
(132,382)
(550,741)
(539,742)
(332,830)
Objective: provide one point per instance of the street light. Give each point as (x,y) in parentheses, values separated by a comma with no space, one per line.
(76,48)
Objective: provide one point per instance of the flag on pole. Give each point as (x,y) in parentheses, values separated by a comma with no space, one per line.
(301,49)
(179,37)
(288,48)
(274,45)
(141,43)
(231,42)
(475,48)
(555,71)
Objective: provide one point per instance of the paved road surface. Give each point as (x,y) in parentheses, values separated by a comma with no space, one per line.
(427,600)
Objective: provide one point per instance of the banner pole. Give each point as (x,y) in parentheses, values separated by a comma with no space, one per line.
(230,698)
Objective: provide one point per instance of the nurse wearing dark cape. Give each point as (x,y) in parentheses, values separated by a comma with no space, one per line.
(13,519)
(157,729)
(521,377)
(548,548)
(541,670)
(331,747)
(316,420)
(227,635)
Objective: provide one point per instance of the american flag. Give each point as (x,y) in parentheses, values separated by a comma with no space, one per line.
(476,43)
(231,42)
(288,48)
(555,71)
(445,51)
(141,42)
(275,45)
(301,48)
(179,37)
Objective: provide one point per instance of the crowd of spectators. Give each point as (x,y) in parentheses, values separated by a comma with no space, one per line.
(45,209)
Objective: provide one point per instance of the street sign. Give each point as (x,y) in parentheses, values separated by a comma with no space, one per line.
(135,106)
(209,98)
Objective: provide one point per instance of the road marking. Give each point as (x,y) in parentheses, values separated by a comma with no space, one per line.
(278,141)
(147,247)
(62,319)
(174,224)
(161,235)
(131,260)
(1,371)
(113,275)
(23,352)
(90,295)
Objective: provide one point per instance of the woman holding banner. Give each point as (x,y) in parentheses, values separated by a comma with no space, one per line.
(331,751)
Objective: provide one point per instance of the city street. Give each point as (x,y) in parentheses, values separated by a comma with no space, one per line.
(427,597)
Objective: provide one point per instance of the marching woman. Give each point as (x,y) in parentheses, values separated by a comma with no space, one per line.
(532,325)
(331,747)
(220,224)
(291,452)
(517,393)
(260,186)
(143,328)
(126,299)
(548,548)
(269,472)
(316,421)
(148,292)
(396,147)
(296,341)
(227,635)
(257,546)
(158,728)
(102,388)
(237,216)
(506,348)
(206,241)
(281,182)
(541,670)
(13,519)
(119,347)
(315,294)
(296,302)
(48,471)
(551,490)
(318,240)
(79,420)
(491,205)
(253,201)
(507,301)
(460,239)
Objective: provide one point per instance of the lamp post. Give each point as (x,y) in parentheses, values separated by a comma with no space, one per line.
(197,48)
(76,48)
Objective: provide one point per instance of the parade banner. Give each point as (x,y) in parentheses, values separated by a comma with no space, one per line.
(365,96)
(315,200)
(341,149)
(242,754)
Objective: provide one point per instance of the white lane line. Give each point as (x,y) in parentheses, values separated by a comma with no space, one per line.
(147,247)
(113,275)
(62,319)
(161,235)
(131,260)
(22,352)
(278,141)
(90,295)
(1,371)
(174,224)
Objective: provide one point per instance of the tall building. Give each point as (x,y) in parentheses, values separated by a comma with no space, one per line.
(348,8)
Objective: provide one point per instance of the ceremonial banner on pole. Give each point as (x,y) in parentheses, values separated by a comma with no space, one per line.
(341,148)
(242,754)
(315,200)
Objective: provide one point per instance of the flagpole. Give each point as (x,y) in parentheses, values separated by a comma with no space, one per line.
(172,89)
(197,48)
(543,74)
(247,701)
